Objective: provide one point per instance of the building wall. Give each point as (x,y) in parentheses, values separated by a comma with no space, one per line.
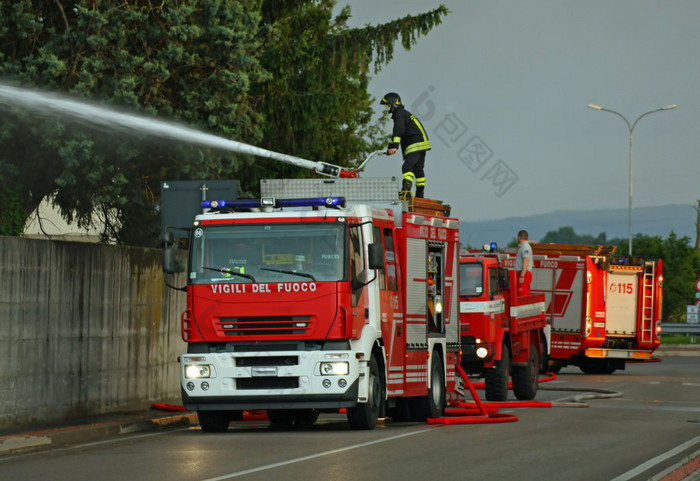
(84,329)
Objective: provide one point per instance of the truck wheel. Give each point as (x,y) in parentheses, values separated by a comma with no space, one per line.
(525,378)
(364,415)
(214,421)
(544,361)
(496,378)
(432,405)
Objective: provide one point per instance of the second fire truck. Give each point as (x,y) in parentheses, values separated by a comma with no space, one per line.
(503,334)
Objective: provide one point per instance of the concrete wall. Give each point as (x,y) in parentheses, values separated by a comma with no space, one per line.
(84,329)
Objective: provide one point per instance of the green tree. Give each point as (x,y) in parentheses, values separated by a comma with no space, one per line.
(279,74)
(316,104)
(191,61)
(681,268)
(567,235)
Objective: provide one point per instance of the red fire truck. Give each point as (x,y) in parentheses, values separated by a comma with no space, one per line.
(324,294)
(603,309)
(502,334)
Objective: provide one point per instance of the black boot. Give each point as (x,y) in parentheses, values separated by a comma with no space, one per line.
(405,192)
(420,191)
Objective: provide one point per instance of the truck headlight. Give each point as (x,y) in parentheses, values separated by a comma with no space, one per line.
(197,371)
(340,368)
(482,352)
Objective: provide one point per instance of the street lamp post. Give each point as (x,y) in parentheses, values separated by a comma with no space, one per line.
(631,129)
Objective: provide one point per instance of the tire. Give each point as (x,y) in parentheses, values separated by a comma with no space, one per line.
(214,421)
(496,378)
(544,358)
(364,415)
(526,378)
(432,405)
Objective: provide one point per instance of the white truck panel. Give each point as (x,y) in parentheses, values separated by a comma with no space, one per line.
(416,293)
(621,303)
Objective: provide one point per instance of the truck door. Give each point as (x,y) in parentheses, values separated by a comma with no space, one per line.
(358,271)
(392,319)
(436,289)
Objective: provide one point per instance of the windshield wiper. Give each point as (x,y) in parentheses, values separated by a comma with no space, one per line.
(294,273)
(227,271)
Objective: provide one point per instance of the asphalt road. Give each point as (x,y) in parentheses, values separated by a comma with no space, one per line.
(649,429)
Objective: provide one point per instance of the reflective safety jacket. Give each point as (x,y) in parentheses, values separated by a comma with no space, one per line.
(408,132)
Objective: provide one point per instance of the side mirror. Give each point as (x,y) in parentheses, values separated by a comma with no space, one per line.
(375,252)
(169,264)
(167,240)
(503,279)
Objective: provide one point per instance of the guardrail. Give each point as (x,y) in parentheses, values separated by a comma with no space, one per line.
(681,328)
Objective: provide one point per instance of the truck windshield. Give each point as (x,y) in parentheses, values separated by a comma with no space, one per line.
(268,253)
(471,279)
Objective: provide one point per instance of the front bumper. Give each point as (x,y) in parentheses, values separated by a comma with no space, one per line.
(269,380)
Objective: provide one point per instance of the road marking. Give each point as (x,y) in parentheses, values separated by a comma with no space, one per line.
(9,457)
(658,459)
(318,455)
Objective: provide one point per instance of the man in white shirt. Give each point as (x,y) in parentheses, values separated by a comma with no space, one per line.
(523,264)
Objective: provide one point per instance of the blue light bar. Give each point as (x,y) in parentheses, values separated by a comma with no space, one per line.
(270,202)
(312,202)
(491,248)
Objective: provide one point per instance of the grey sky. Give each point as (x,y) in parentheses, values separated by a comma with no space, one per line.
(519,76)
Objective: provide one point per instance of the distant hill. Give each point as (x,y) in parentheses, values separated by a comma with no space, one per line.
(653,221)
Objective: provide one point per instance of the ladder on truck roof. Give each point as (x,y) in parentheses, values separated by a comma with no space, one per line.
(381,190)
(648,303)
(572,249)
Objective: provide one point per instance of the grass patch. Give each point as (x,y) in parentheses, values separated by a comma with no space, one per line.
(675,339)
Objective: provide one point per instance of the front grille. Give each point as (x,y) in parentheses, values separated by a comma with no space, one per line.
(260,361)
(268,383)
(265,325)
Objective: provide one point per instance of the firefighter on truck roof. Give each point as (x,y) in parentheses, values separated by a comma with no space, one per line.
(411,136)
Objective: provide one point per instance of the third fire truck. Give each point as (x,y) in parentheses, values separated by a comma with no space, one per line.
(604,310)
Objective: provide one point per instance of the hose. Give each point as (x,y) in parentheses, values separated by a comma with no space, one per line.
(479,412)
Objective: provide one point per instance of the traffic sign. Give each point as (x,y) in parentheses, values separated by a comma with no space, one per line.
(697,284)
(691,315)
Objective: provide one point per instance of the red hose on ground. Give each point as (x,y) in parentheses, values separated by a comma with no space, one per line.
(168,407)
(481,415)
(478,412)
